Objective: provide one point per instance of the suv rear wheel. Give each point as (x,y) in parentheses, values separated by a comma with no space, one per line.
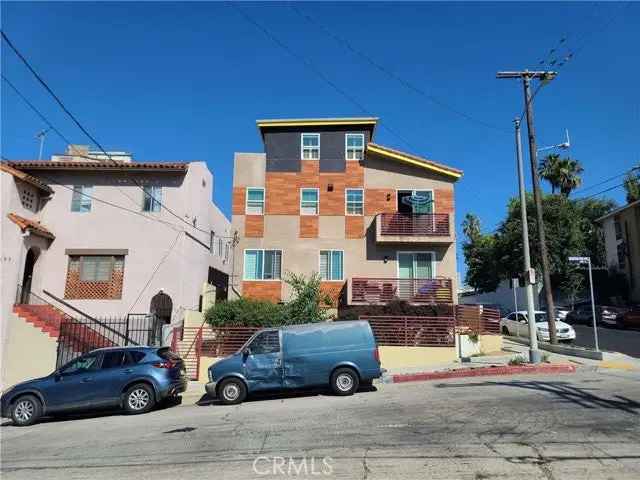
(26,410)
(344,381)
(140,398)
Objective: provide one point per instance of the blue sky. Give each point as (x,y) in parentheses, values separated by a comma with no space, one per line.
(186,81)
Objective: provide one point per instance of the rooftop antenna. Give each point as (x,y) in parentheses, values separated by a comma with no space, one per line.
(40,136)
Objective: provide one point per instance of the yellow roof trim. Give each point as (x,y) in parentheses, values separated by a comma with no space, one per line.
(316,122)
(406,159)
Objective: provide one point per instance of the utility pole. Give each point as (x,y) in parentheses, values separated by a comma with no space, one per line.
(526,77)
(534,353)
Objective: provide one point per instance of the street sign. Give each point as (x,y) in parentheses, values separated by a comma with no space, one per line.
(579,259)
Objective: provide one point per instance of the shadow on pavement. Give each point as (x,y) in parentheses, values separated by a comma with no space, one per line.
(565,391)
(98,413)
(282,395)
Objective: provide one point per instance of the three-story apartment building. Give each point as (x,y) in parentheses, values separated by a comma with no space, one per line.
(376,223)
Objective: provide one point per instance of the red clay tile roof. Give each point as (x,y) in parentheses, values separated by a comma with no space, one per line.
(403,156)
(33,226)
(25,177)
(105,165)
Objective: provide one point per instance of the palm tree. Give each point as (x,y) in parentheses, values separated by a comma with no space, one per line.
(569,171)
(548,170)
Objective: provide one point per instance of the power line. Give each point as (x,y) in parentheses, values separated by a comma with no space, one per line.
(311,66)
(66,110)
(173,226)
(392,75)
(607,180)
(601,192)
(51,126)
(155,270)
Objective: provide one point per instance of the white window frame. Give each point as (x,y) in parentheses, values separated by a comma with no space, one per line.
(244,267)
(434,274)
(329,264)
(303,148)
(85,192)
(155,204)
(346,146)
(317,202)
(246,200)
(346,210)
(418,189)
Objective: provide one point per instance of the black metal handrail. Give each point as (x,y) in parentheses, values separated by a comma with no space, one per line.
(41,301)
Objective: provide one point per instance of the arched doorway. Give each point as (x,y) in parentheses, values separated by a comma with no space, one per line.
(161,306)
(29,262)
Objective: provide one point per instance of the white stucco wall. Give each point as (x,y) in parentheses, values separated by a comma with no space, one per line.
(159,252)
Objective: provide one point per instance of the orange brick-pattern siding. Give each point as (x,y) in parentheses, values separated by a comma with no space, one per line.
(379,200)
(271,291)
(283,188)
(444,202)
(254,226)
(353,227)
(333,290)
(238,201)
(308,226)
(76,289)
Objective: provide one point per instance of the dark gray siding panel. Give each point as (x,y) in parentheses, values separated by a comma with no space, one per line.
(282,148)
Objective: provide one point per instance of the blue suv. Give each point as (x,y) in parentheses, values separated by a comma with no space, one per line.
(133,378)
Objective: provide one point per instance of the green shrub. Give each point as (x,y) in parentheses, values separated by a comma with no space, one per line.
(245,312)
(305,306)
(518,360)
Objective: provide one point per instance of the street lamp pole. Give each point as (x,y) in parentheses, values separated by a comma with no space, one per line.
(587,260)
(534,353)
(593,306)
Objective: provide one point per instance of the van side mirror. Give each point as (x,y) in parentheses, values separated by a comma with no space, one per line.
(246,352)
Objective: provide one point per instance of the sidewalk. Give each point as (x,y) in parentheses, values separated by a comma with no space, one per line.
(484,365)
(499,364)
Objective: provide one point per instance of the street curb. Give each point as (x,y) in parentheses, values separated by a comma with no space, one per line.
(481,372)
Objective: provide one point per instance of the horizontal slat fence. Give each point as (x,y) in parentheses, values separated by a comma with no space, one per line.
(414,224)
(413,331)
(413,290)
(478,319)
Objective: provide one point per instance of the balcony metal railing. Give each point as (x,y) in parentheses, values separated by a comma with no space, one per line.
(414,224)
(379,291)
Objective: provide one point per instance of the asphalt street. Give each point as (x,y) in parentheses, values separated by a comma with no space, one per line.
(584,425)
(625,341)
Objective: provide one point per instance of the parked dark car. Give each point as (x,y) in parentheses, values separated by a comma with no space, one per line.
(132,378)
(341,355)
(631,318)
(605,314)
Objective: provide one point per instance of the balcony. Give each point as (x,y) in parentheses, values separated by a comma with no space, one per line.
(413,228)
(380,291)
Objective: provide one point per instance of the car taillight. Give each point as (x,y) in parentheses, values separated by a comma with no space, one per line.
(376,354)
(166,364)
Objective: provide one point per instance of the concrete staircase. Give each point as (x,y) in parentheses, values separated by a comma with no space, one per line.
(189,350)
(49,319)
(44,317)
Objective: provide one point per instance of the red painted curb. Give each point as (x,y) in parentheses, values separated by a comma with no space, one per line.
(482,372)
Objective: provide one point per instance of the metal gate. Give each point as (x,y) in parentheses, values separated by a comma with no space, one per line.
(81,336)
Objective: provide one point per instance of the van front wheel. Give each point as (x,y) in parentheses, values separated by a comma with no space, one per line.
(344,381)
(232,391)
